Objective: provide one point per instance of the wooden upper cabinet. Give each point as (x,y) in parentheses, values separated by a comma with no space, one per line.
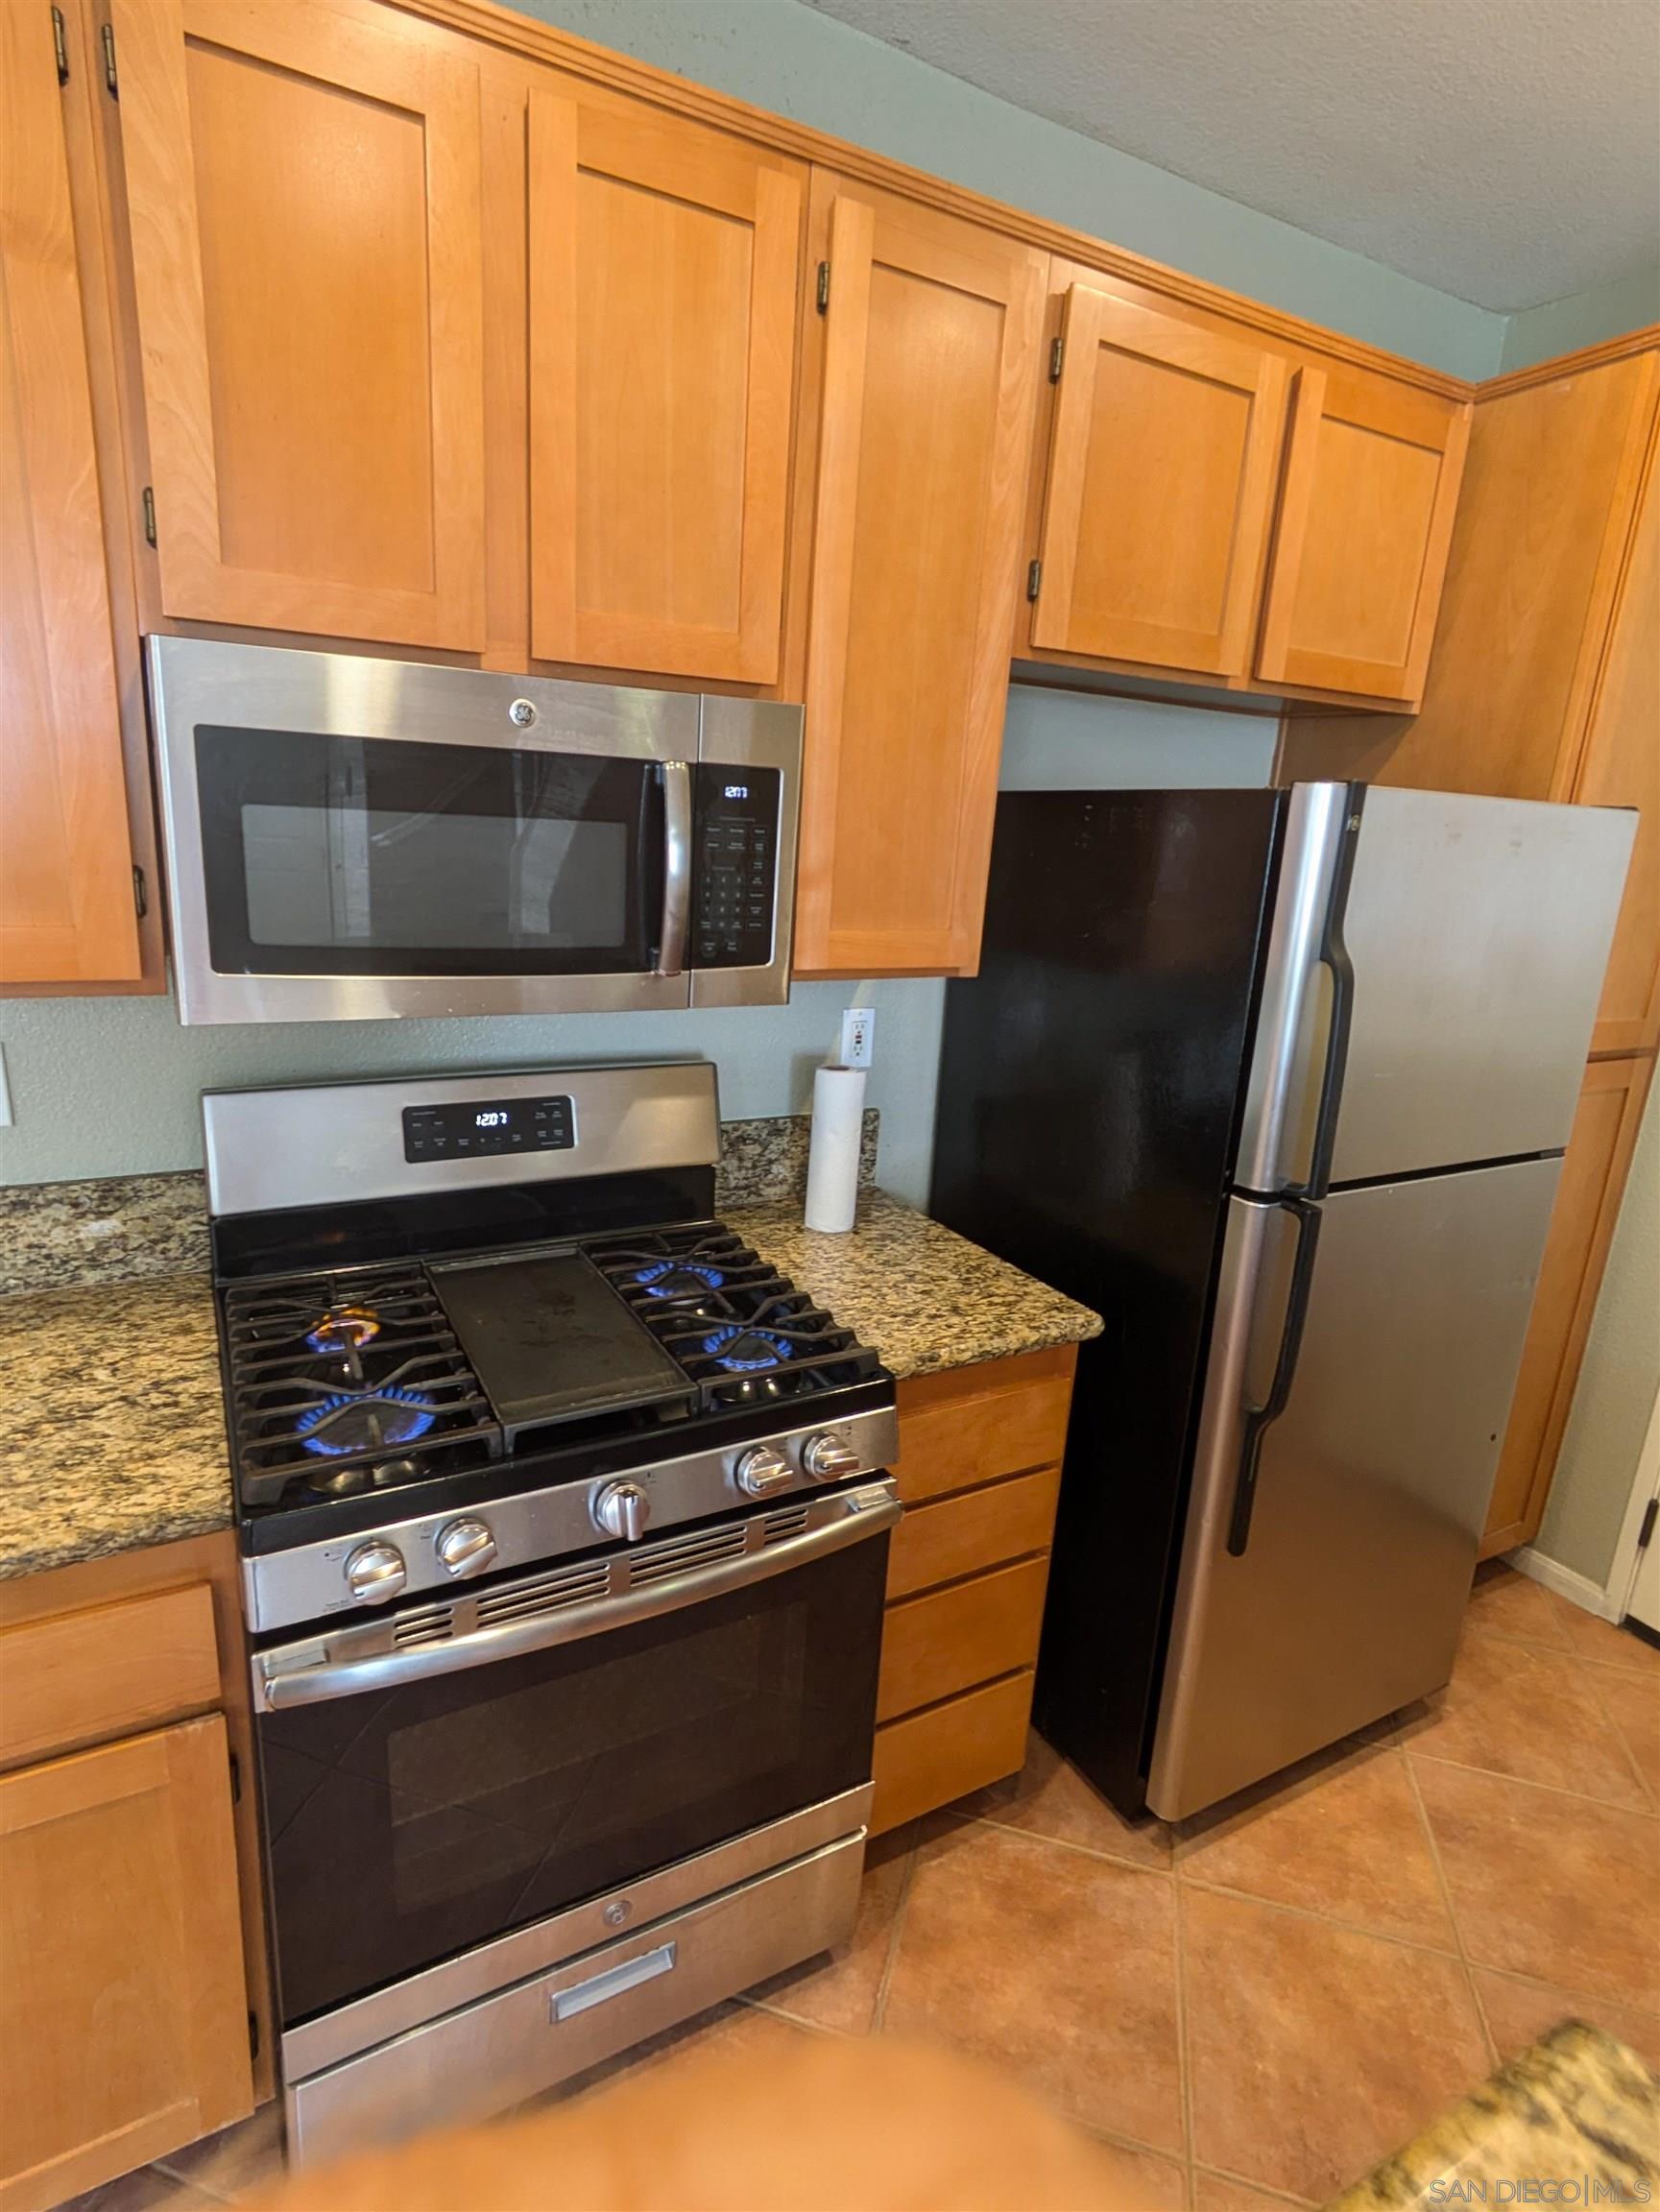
(302,182)
(1366,506)
(123,2002)
(1160,489)
(664,259)
(925,370)
(66,904)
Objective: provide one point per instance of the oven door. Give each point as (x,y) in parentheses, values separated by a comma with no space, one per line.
(447,1773)
(353,838)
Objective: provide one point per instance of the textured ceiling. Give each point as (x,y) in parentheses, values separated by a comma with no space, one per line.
(1504,151)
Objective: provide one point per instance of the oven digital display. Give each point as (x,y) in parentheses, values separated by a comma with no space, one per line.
(475,1131)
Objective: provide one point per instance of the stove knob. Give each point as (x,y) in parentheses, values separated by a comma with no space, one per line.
(464,1547)
(375,1573)
(762,1470)
(622,1509)
(827,1459)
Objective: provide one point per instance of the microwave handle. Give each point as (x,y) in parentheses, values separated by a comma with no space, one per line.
(676,866)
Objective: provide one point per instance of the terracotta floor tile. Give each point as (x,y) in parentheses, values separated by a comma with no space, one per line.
(1506,1604)
(840,1991)
(1515,1709)
(1343,1838)
(1632,1704)
(1218,2193)
(238,2159)
(1520,2012)
(1610,1646)
(1546,1884)
(1059,1968)
(1050,1797)
(1141,2180)
(148,2190)
(1315,2051)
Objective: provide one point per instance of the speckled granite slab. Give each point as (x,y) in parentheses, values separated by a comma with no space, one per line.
(924,1296)
(111,1424)
(1577,2108)
(763,1161)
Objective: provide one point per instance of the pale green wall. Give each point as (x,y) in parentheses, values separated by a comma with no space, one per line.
(1617,1383)
(1559,326)
(789,58)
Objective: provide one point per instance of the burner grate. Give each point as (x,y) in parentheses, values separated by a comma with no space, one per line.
(347,1382)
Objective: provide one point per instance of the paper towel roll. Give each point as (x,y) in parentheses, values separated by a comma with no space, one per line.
(833,1168)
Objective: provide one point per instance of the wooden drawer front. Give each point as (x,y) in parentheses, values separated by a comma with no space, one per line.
(956,1536)
(930,1758)
(935,1646)
(80,1677)
(961,1441)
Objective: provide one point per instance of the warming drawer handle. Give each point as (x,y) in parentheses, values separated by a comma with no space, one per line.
(280,1693)
(676,868)
(613,1982)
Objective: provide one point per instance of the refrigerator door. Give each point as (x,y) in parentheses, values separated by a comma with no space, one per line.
(1330,1592)
(1434,965)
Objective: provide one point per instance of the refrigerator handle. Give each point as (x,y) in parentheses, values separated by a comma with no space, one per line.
(1260,1419)
(1332,955)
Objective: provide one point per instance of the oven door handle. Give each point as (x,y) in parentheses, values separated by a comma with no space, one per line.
(278,1686)
(676,868)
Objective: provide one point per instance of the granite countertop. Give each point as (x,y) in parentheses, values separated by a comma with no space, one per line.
(924,1296)
(111,1425)
(111,1421)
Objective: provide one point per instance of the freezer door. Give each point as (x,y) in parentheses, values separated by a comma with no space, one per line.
(1337,1596)
(1436,962)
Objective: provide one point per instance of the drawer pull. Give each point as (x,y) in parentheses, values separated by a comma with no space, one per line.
(600,1988)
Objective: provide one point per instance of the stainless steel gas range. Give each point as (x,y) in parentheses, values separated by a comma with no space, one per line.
(564,1538)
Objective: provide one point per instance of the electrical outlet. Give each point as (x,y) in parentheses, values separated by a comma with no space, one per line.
(858,1032)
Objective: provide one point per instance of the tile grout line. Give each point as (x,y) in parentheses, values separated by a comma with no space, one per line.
(1446,1889)
(1588,1669)
(1647,1811)
(1327,1919)
(1059,1844)
(1262,2189)
(1184,2069)
(879,2010)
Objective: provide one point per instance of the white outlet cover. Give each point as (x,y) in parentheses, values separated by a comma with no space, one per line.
(858,1036)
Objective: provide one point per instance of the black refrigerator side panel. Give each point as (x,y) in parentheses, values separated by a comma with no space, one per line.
(1090,1086)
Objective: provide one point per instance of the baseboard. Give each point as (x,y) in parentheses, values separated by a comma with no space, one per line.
(1578,1589)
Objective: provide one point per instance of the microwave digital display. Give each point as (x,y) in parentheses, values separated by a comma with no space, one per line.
(478,1129)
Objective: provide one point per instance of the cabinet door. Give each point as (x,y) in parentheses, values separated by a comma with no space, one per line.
(928,381)
(1582,1222)
(304,185)
(123,2012)
(66,904)
(663,265)
(1161,479)
(1621,767)
(1371,484)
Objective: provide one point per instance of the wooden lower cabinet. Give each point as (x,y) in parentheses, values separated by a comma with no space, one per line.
(1581,1227)
(133,2000)
(979,1472)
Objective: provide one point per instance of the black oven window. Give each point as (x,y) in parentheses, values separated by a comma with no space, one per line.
(369,856)
(406,1825)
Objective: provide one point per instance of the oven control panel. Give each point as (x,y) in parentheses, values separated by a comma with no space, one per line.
(735,847)
(476,1128)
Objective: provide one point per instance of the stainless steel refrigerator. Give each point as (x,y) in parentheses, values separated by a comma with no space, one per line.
(1279,1082)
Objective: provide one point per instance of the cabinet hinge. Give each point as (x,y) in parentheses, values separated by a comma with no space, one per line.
(61,45)
(149,515)
(141,893)
(1650,1514)
(253,2034)
(824,287)
(1057,354)
(107,37)
(1034,579)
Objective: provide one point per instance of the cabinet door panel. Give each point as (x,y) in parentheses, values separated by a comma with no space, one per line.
(123,2007)
(1160,482)
(1621,767)
(1371,484)
(303,184)
(663,265)
(1582,1226)
(928,381)
(66,905)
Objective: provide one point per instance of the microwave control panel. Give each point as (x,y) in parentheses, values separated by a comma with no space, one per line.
(478,1127)
(734,843)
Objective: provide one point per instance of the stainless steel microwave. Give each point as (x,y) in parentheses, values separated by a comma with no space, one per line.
(351,839)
